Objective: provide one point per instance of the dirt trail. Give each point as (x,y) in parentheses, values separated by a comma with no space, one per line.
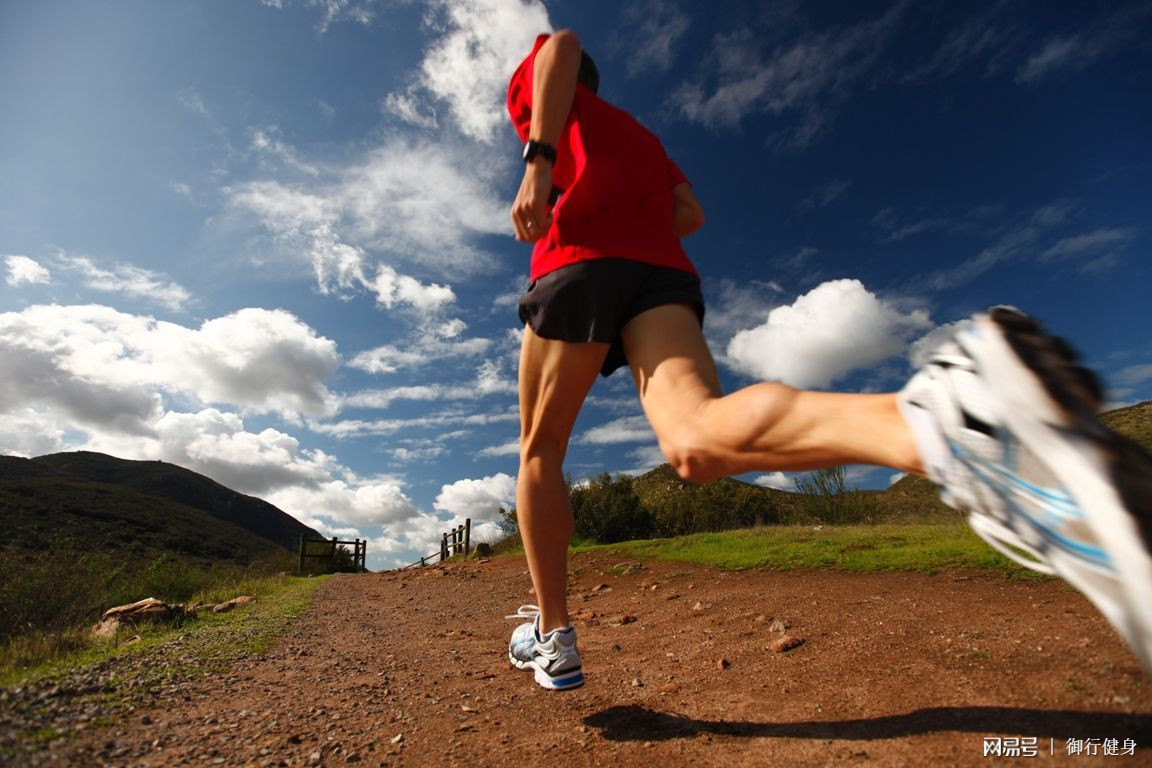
(409,669)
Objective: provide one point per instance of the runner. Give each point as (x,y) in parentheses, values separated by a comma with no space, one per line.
(1002,417)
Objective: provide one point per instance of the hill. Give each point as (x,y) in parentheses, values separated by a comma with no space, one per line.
(137,510)
(183,486)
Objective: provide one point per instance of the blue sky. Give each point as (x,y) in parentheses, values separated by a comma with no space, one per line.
(268,240)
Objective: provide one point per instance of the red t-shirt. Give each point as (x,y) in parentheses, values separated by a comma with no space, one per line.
(617,182)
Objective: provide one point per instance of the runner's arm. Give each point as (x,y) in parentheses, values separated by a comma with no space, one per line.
(553,88)
(689,214)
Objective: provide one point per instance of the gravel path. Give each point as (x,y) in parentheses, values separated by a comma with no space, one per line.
(684,667)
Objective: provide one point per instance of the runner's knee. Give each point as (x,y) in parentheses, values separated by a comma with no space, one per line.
(687,449)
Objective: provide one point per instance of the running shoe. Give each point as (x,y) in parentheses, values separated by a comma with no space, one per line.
(553,658)
(1005,417)
(524,636)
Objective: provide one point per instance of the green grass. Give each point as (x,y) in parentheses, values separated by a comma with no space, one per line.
(924,548)
(208,641)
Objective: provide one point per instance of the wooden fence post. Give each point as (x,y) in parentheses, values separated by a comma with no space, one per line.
(467,536)
(444,547)
(300,562)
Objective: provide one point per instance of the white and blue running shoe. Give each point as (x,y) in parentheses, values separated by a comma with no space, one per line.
(1006,419)
(553,658)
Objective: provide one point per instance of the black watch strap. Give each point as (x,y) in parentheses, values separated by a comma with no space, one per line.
(534,149)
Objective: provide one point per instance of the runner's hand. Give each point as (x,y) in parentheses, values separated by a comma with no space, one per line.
(530,213)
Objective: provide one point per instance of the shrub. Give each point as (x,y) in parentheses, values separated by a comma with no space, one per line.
(607,510)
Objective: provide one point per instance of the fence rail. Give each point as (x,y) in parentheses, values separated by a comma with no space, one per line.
(328,551)
(451,544)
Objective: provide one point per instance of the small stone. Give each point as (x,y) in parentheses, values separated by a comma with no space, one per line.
(600,587)
(723,664)
(786,643)
(398,738)
(636,683)
(778,625)
(699,606)
(669,688)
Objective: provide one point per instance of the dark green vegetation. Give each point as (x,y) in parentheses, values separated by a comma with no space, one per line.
(84,481)
(82,532)
(659,504)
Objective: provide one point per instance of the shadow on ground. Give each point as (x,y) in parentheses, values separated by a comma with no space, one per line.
(637,723)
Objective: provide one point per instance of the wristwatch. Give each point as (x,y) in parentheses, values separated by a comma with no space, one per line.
(532,149)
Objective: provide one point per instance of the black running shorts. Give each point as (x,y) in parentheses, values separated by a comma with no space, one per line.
(593,301)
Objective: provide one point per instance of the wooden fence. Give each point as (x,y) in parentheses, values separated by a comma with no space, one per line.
(452,543)
(328,549)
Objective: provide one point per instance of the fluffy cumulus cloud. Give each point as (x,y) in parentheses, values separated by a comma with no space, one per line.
(108,371)
(836,328)
(478,499)
(781,481)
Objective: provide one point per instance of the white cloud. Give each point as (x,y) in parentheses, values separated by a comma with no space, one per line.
(630,429)
(411,109)
(480,499)
(1089,246)
(468,67)
(126,280)
(645,458)
(368,503)
(266,141)
(836,328)
(1091,42)
(808,76)
(1018,240)
(349,428)
(510,448)
(401,207)
(989,37)
(23,270)
(781,481)
(655,28)
(109,368)
(824,195)
(424,351)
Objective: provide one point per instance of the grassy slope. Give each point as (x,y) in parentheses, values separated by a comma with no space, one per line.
(39,512)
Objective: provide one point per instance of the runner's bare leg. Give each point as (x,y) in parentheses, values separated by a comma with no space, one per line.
(555,377)
(766,426)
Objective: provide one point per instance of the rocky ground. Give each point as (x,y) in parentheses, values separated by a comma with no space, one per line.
(685,666)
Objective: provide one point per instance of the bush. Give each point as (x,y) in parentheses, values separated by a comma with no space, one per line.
(826,498)
(607,510)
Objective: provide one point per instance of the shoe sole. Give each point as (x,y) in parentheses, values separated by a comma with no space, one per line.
(570,679)
(1051,402)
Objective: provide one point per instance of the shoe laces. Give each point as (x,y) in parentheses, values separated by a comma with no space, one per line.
(525,612)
